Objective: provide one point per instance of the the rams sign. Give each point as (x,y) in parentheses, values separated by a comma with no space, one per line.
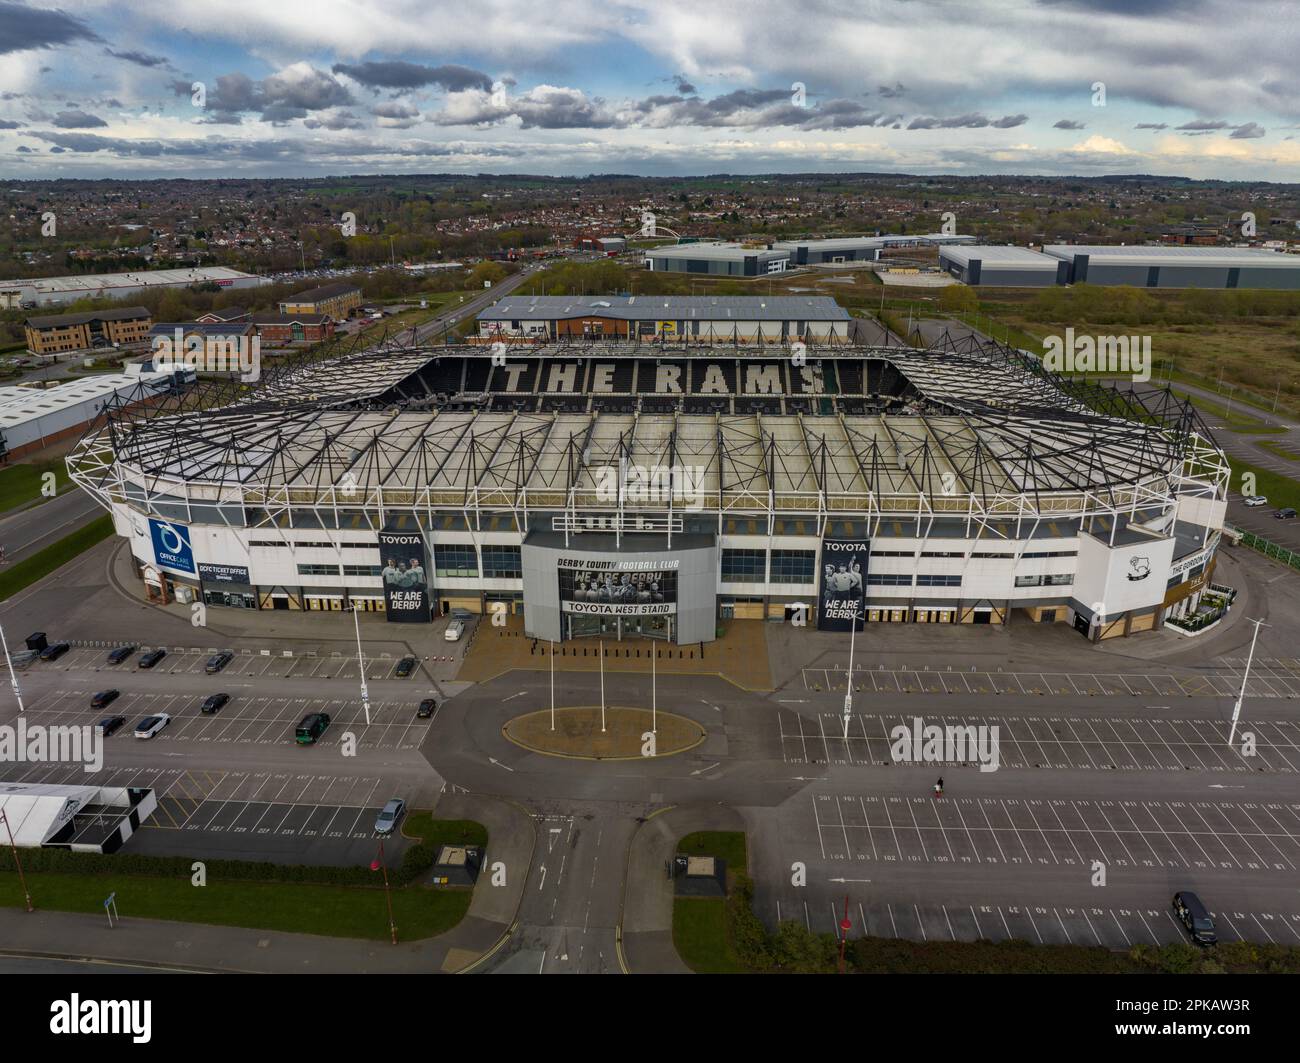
(171,546)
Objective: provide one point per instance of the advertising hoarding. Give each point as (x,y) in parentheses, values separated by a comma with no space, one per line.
(171,545)
(843,583)
(406,582)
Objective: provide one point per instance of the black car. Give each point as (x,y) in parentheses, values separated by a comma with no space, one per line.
(214,702)
(405,667)
(218,661)
(109,724)
(1284,514)
(1189,911)
(103,698)
(120,654)
(311,728)
(427,708)
(54,651)
(151,658)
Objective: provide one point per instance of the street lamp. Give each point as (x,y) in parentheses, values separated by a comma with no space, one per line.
(13,677)
(1236,709)
(377,864)
(848,694)
(361,663)
(21,878)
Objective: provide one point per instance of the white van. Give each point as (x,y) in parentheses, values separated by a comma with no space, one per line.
(454,631)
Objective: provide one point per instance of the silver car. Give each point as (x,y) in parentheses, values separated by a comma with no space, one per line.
(390,816)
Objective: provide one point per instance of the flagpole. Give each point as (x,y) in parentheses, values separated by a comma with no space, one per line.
(654,700)
(602,685)
(552,686)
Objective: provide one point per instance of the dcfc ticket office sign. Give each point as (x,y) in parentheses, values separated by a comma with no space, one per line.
(843,579)
(599,587)
(406,584)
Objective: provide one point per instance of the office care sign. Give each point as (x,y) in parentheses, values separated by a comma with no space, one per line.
(599,587)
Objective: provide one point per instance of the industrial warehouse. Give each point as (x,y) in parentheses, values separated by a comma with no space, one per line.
(1141,267)
(643,489)
(53,291)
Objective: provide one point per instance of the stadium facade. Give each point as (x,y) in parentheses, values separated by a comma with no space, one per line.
(651,489)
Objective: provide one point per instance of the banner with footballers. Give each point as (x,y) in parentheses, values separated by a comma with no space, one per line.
(843,583)
(598,587)
(406,586)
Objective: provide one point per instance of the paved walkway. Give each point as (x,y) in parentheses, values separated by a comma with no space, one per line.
(194,946)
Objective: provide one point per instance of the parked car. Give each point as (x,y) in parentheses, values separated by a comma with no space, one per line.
(1284,514)
(104,698)
(218,661)
(390,816)
(109,724)
(151,725)
(151,658)
(120,654)
(1189,911)
(458,613)
(311,728)
(454,631)
(426,708)
(405,667)
(54,651)
(1255,500)
(214,702)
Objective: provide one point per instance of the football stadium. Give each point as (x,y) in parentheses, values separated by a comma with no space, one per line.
(658,486)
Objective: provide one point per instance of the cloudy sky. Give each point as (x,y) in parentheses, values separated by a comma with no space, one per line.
(144,88)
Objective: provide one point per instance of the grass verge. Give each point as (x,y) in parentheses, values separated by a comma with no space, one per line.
(702,925)
(22,483)
(331,901)
(26,572)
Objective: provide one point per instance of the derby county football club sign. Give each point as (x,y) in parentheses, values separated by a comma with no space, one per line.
(406,587)
(617,588)
(844,575)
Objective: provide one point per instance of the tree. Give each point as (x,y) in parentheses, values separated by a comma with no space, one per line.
(485,272)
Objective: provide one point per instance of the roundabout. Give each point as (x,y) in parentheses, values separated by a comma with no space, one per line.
(577,733)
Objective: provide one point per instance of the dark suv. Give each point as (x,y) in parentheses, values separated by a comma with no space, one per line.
(218,661)
(405,667)
(120,654)
(1189,911)
(54,651)
(213,703)
(151,658)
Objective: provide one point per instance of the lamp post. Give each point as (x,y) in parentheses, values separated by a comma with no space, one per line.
(22,879)
(1236,709)
(601,646)
(552,686)
(13,678)
(848,693)
(361,663)
(378,864)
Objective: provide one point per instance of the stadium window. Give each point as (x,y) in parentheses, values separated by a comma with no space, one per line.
(940,553)
(1063,579)
(924,580)
(455,561)
(1053,553)
(893,553)
(362,570)
(744,566)
(889,579)
(1029,581)
(502,562)
(318,570)
(793,566)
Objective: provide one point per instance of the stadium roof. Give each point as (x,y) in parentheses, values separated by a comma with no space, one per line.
(992,435)
(657,307)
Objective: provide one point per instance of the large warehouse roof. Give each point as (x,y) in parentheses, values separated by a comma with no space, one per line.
(998,256)
(728,251)
(658,307)
(104,283)
(1164,255)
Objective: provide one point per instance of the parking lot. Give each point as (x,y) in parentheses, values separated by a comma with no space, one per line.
(1115,928)
(1261,837)
(273,804)
(262,664)
(246,719)
(1274,678)
(1102,743)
